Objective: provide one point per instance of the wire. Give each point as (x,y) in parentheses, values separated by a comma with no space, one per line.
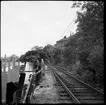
(68,26)
(71,27)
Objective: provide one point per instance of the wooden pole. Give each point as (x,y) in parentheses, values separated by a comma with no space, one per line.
(15,73)
(4,81)
(9,72)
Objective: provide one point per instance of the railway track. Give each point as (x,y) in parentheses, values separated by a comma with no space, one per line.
(79,91)
(63,97)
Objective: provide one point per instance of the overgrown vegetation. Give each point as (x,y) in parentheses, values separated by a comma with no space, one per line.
(83,54)
(34,54)
(87,45)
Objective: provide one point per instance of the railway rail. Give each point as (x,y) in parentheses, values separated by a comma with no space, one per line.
(69,73)
(79,91)
(63,96)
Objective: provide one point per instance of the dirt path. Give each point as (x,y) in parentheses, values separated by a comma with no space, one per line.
(46,92)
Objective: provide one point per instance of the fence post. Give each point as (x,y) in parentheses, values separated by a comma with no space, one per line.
(17,72)
(9,72)
(4,81)
(14,72)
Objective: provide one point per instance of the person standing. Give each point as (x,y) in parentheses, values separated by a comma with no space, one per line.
(35,66)
(37,69)
(43,67)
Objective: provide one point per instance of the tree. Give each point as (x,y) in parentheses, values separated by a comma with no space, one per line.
(91,31)
(49,49)
(36,48)
(91,19)
(96,62)
(33,55)
(57,56)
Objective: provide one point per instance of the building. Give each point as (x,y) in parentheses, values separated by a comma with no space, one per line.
(61,42)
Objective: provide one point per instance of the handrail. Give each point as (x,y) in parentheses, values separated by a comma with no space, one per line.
(37,72)
(27,91)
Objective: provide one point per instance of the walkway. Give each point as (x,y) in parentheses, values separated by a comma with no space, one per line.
(46,92)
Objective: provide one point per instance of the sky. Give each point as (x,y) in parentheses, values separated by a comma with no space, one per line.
(25,24)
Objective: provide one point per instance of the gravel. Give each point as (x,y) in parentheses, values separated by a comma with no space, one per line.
(46,92)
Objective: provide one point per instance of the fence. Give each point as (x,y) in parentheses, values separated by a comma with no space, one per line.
(9,73)
(31,80)
(34,79)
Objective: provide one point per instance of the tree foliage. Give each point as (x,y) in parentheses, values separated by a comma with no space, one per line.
(49,49)
(91,33)
(33,55)
(57,55)
(87,44)
(96,62)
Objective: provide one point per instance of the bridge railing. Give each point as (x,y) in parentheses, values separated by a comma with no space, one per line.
(34,80)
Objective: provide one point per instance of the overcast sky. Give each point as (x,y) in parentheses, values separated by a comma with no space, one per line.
(25,24)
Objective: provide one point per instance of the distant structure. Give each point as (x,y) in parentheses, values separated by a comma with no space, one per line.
(62,42)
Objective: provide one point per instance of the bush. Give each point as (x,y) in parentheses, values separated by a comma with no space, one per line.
(96,61)
(80,70)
